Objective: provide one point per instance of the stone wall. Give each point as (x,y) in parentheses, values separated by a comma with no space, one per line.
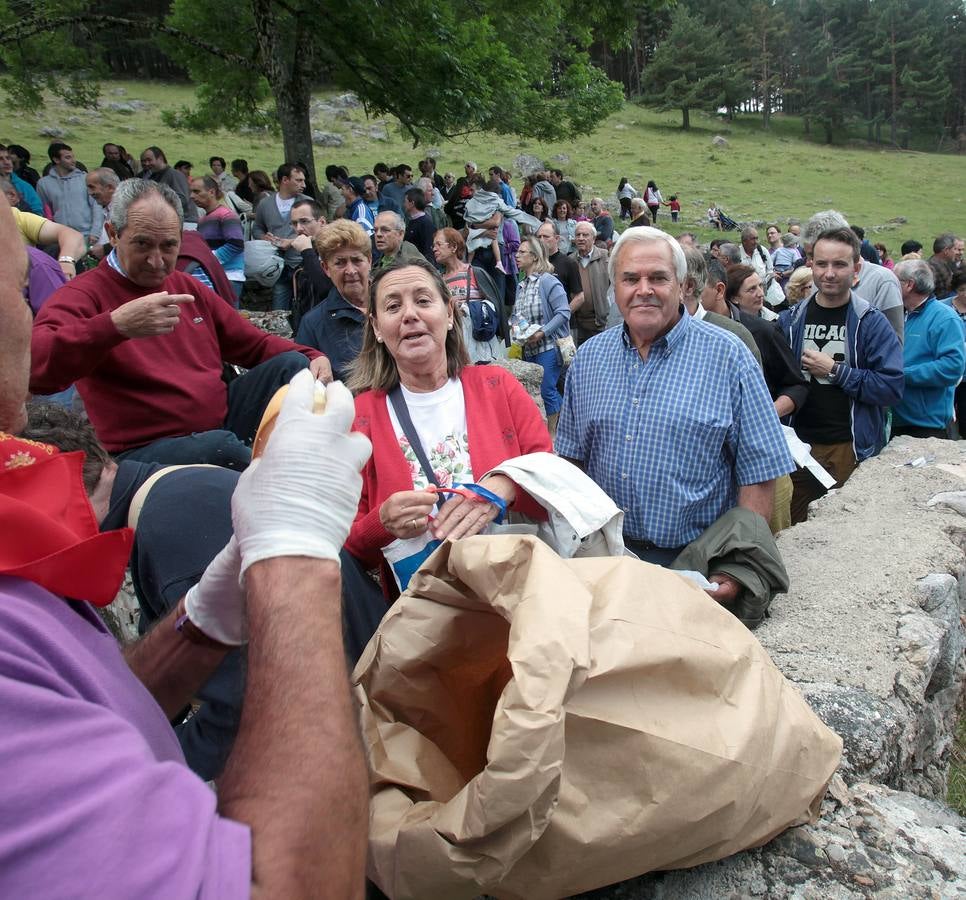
(872,634)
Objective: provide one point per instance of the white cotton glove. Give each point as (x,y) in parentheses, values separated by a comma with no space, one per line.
(301,496)
(216,604)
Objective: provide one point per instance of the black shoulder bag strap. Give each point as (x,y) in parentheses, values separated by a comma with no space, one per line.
(399,406)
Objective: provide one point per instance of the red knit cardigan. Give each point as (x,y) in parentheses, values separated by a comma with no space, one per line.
(502,422)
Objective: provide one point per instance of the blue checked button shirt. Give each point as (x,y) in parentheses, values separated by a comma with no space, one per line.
(671,438)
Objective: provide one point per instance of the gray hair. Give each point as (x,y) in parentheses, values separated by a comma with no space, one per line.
(697,269)
(749,231)
(105,177)
(424,183)
(637,204)
(731,252)
(398,222)
(789,240)
(646,234)
(943,242)
(826,220)
(586,226)
(919,273)
(6,184)
(131,190)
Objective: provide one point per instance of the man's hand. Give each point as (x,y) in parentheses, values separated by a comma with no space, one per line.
(216,604)
(817,364)
(281,243)
(728,588)
(534,338)
(301,242)
(321,368)
(300,497)
(68,268)
(151,315)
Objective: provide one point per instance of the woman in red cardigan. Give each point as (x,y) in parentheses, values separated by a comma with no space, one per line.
(467,419)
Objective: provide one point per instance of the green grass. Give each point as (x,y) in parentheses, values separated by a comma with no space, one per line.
(956,796)
(760,176)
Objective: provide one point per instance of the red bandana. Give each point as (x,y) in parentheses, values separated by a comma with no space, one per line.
(49,532)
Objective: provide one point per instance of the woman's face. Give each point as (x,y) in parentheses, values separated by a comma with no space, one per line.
(525,257)
(563,211)
(412,319)
(751,296)
(441,249)
(774,235)
(539,210)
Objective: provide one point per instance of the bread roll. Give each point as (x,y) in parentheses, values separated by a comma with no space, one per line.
(267,425)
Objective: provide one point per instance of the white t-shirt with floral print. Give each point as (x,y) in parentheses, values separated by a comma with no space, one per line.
(439,418)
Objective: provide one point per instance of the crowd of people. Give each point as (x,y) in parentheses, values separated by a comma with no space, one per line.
(681,379)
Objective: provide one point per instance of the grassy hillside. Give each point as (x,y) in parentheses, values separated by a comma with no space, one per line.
(758,176)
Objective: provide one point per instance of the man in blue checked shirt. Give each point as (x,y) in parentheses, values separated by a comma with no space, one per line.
(669,415)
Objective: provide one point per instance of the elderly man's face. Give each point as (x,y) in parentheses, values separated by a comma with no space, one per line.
(102,193)
(547,235)
(646,289)
(584,239)
(749,241)
(147,248)
(15,326)
(112,152)
(371,191)
(596,207)
(388,234)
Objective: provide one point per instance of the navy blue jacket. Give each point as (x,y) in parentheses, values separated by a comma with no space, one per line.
(871,374)
(335,328)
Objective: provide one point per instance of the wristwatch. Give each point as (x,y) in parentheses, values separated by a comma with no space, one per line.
(67,259)
(834,371)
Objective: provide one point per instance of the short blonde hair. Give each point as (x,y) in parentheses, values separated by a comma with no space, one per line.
(339,234)
(799,284)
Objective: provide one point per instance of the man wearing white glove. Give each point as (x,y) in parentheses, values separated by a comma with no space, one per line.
(292,764)
(94,757)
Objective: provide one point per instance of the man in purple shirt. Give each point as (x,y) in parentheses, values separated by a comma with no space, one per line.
(96,797)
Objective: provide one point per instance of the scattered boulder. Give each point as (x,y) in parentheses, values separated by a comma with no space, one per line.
(561,158)
(53,131)
(326,139)
(527,163)
(124,109)
(342,115)
(719,141)
(118,92)
(898,220)
(378,133)
(530,375)
(620,126)
(139,104)
(347,100)
(74,120)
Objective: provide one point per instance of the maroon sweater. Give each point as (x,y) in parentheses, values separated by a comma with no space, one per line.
(140,389)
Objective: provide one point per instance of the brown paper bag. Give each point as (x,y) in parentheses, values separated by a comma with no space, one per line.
(539,727)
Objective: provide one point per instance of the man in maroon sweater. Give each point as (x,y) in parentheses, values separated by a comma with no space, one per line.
(145,345)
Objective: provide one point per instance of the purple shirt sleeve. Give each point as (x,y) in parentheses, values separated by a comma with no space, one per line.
(97,800)
(44,278)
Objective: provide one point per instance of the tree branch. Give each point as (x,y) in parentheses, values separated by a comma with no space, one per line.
(29,27)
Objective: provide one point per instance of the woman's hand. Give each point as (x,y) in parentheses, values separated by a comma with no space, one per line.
(535,338)
(405,514)
(459,517)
